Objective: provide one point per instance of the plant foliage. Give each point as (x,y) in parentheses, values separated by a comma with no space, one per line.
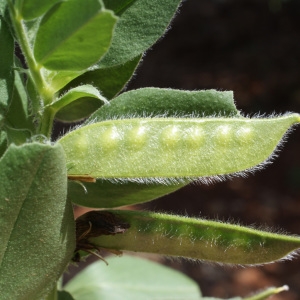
(132,147)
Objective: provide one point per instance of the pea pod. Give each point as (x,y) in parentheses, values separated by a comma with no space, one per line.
(173,147)
(141,103)
(197,239)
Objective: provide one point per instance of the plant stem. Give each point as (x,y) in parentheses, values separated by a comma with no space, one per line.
(47,122)
(43,88)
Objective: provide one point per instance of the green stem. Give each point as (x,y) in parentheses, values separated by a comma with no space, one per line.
(47,122)
(43,88)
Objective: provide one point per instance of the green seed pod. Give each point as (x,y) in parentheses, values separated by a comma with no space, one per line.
(198,239)
(155,148)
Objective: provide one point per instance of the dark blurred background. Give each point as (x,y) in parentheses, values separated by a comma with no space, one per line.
(253,48)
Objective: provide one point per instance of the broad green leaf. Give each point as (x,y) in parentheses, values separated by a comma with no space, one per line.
(105,194)
(78,110)
(31,9)
(85,38)
(57,79)
(38,240)
(197,239)
(68,109)
(141,24)
(151,102)
(110,81)
(6,63)
(153,148)
(131,278)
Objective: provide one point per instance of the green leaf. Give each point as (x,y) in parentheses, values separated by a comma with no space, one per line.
(32,27)
(85,38)
(153,148)
(38,240)
(6,63)
(78,110)
(32,9)
(3,142)
(141,24)
(110,81)
(2,7)
(60,79)
(118,6)
(195,238)
(68,109)
(105,194)
(131,278)
(153,102)
(17,116)
(63,295)
(17,136)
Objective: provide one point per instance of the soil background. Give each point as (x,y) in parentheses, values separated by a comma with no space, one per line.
(253,48)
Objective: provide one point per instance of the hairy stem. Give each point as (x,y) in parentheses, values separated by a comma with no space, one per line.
(47,122)
(42,87)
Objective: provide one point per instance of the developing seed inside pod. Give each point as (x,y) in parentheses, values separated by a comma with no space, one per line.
(244,135)
(94,224)
(137,138)
(170,136)
(223,133)
(194,137)
(110,139)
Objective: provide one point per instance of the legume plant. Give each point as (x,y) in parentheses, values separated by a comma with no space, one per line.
(69,61)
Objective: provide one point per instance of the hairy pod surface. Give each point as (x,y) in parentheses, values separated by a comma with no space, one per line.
(198,239)
(173,147)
